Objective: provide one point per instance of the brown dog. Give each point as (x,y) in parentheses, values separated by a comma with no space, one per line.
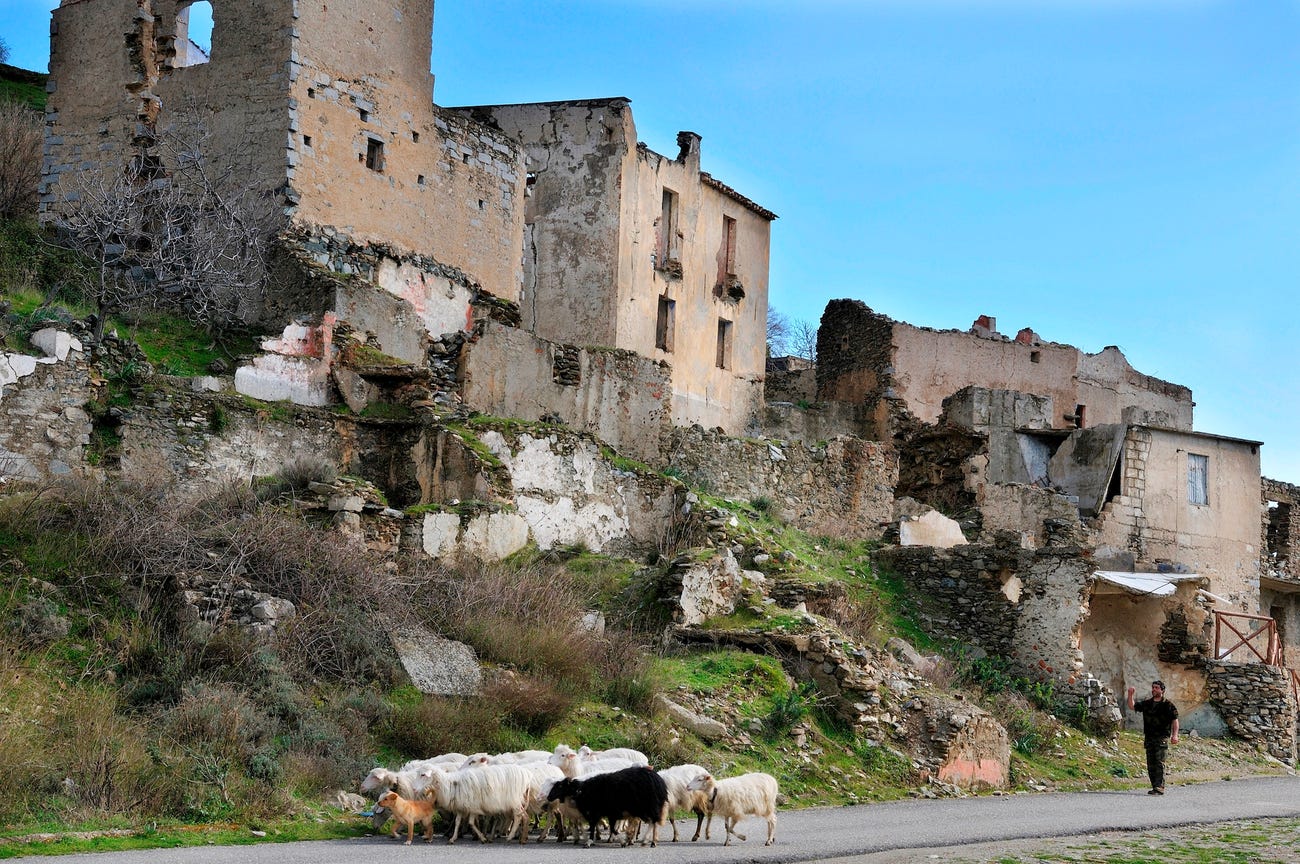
(411,813)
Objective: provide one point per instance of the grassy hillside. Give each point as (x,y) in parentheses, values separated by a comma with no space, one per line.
(23,85)
(120,717)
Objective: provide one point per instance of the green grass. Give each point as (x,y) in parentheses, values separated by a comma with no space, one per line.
(322,825)
(23,85)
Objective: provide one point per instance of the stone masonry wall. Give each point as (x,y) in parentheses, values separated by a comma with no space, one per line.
(1255,701)
(44,424)
(1281,531)
(1025,605)
(854,359)
(202,438)
(840,488)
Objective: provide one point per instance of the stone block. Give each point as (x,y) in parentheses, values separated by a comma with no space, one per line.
(437,666)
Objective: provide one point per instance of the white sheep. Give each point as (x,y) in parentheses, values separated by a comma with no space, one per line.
(682,797)
(381,780)
(636,757)
(489,790)
(734,798)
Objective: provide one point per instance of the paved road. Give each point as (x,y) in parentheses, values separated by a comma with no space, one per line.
(812,835)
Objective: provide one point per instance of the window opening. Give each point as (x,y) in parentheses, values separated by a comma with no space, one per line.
(665,324)
(1198,479)
(193,35)
(420,179)
(311,92)
(364,115)
(668,245)
(374,155)
(1035,356)
(729,232)
(1080,413)
(1277,537)
(415,137)
(724,344)
(306,140)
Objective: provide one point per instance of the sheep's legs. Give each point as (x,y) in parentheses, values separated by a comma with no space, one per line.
(455,831)
(473,826)
(699,823)
(771,829)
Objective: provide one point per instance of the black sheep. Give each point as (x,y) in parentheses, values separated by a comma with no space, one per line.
(636,794)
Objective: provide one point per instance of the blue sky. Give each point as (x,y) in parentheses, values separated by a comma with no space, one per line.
(1105,172)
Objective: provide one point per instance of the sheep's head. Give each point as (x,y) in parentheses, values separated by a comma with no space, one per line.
(702,783)
(563,789)
(478,760)
(586,754)
(377,780)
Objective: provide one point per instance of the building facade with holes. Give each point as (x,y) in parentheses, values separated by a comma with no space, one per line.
(687,255)
(328,108)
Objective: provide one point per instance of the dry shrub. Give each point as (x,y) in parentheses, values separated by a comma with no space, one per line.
(1030,729)
(527,704)
(301,470)
(438,724)
(859,613)
(525,616)
(220,718)
(21,134)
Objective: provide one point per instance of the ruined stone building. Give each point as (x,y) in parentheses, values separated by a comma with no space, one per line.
(1102,538)
(424,217)
(686,254)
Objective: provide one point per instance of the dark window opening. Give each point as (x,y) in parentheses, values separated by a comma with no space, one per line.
(1035,356)
(665,324)
(724,344)
(1080,415)
(415,137)
(364,115)
(420,179)
(1277,539)
(306,140)
(311,92)
(374,155)
(481,204)
(464,157)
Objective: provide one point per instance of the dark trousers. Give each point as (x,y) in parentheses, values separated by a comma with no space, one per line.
(1157,749)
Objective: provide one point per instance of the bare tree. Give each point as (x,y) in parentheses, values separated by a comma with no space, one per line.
(4,50)
(195,237)
(21,132)
(778,333)
(803,340)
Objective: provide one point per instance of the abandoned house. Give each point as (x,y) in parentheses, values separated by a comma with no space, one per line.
(1109,543)
(428,214)
(685,255)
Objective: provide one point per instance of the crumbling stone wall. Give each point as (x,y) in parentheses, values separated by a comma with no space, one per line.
(617,395)
(820,421)
(328,107)
(1255,701)
(1025,605)
(201,438)
(893,367)
(838,488)
(44,422)
(1280,528)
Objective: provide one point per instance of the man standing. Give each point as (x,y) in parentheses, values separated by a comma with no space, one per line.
(1159,730)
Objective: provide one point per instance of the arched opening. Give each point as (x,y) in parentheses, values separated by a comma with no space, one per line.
(194,34)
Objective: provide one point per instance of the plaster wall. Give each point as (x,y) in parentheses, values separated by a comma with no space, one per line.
(616,395)
(697,282)
(567,493)
(864,356)
(1119,642)
(1152,516)
(577,156)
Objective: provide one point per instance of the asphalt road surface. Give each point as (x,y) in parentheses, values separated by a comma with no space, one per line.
(812,835)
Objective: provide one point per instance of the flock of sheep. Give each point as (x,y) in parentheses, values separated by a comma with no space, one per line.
(563,789)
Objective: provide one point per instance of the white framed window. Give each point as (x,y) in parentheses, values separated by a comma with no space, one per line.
(1198,479)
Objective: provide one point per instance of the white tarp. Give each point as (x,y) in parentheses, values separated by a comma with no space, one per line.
(1146,584)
